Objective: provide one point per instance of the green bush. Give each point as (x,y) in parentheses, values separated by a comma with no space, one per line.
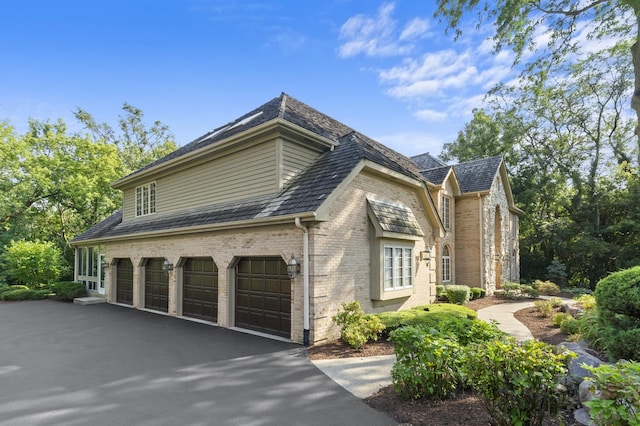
(544,308)
(546,287)
(620,292)
(511,290)
(356,328)
(427,315)
(529,291)
(458,294)
(15,294)
(483,292)
(578,291)
(586,301)
(33,263)
(427,364)
(476,293)
(440,290)
(518,383)
(556,302)
(69,290)
(618,399)
(570,326)
(618,307)
(559,318)
(429,359)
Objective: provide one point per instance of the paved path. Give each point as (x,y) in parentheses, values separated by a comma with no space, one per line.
(366,375)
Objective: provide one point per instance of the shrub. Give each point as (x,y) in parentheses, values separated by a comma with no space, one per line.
(577,291)
(543,307)
(440,290)
(33,262)
(15,294)
(511,290)
(529,291)
(458,294)
(570,326)
(618,400)
(586,302)
(546,287)
(427,315)
(483,292)
(356,328)
(618,307)
(518,383)
(427,364)
(476,293)
(69,290)
(556,302)
(559,318)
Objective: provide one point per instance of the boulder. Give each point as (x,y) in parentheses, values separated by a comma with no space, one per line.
(582,417)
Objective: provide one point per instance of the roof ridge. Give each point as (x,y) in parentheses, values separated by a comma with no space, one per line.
(283,105)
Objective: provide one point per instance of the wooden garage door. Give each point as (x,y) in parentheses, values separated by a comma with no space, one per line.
(200,289)
(263,296)
(124,281)
(156,286)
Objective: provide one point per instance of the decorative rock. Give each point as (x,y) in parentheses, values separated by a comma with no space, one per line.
(575,366)
(581,416)
(584,392)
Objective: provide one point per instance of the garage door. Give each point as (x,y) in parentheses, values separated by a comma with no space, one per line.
(263,296)
(200,289)
(124,281)
(156,286)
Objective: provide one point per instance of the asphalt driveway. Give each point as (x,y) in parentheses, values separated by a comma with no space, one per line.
(66,364)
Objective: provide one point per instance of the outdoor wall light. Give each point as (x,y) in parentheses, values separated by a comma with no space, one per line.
(426,255)
(293,267)
(166,267)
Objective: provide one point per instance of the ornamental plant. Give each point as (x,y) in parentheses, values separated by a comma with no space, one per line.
(617,400)
(357,328)
(458,294)
(518,383)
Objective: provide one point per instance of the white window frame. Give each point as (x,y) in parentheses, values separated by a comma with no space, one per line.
(145,199)
(446,212)
(397,267)
(446,265)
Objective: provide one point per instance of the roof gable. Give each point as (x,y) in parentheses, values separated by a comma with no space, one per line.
(427,161)
(477,175)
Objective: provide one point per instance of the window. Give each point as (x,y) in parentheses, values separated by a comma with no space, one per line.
(146,199)
(446,264)
(446,212)
(398,270)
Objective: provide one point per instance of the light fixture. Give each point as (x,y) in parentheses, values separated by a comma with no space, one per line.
(426,255)
(293,267)
(166,267)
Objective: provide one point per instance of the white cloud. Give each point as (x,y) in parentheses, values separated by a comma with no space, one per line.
(430,115)
(377,35)
(416,28)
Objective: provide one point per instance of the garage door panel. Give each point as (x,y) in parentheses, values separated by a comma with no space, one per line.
(200,289)
(266,304)
(156,286)
(124,281)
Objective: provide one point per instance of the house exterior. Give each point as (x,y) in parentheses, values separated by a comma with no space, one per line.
(269,223)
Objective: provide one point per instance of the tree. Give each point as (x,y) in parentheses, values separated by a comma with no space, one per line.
(518,23)
(33,263)
(139,145)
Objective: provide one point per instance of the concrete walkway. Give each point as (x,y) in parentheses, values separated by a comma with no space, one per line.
(364,376)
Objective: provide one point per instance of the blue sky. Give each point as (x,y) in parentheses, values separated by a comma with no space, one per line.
(385,68)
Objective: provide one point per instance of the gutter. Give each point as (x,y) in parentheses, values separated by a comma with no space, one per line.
(305,266)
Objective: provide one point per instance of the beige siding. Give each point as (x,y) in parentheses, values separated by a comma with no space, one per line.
(129,204)
(468,245)
(243,174)
(295,159)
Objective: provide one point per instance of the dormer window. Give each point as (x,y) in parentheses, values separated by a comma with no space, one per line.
(146,199)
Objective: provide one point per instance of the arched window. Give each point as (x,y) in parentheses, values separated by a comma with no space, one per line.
(446,264)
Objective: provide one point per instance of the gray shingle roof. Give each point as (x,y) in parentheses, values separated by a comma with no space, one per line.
(437,175)
(303,194)
(427,161)
(477,175)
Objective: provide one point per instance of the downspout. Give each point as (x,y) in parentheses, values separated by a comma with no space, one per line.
(305,271)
